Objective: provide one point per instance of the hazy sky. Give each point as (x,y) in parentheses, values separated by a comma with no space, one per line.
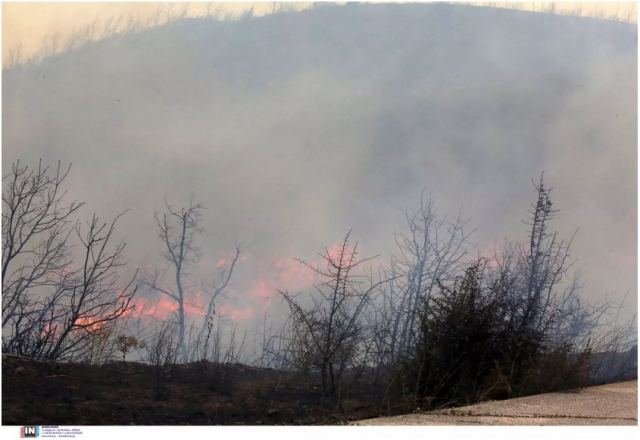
(30,27)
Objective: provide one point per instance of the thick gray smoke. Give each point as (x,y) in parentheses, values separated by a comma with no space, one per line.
(295,127)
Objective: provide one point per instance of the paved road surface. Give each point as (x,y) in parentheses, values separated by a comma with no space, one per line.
(613,404)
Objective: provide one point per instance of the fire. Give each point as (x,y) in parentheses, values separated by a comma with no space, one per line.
(262,289)
(89,324)
(335,249)
(282,273)
(274,273)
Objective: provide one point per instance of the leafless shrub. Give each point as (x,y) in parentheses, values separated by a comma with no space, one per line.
(162,354)
(326,334)
(101,347)
(614,347)
(276,347)
(433,250)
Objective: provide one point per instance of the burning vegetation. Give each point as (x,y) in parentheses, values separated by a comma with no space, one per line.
(435,327)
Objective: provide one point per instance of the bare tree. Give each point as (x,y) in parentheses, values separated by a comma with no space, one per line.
(547,259)
(327,332)
(534,277)
(95,296)
(540,298)
(53,308)
(432,250)
(36,224)
(177,229)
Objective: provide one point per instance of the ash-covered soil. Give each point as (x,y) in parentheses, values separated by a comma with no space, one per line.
(126,393)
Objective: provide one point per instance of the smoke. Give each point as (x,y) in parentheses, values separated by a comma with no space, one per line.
(295,127)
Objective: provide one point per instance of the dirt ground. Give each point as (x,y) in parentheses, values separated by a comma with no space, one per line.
(612,404)
(125,393)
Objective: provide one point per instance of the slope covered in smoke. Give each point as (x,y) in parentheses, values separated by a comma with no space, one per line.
(294,127)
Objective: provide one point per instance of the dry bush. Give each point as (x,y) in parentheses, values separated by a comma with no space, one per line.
(511,327)
(162,354)
(328,329)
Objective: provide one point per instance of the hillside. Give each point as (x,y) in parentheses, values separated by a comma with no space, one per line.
(294,127)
